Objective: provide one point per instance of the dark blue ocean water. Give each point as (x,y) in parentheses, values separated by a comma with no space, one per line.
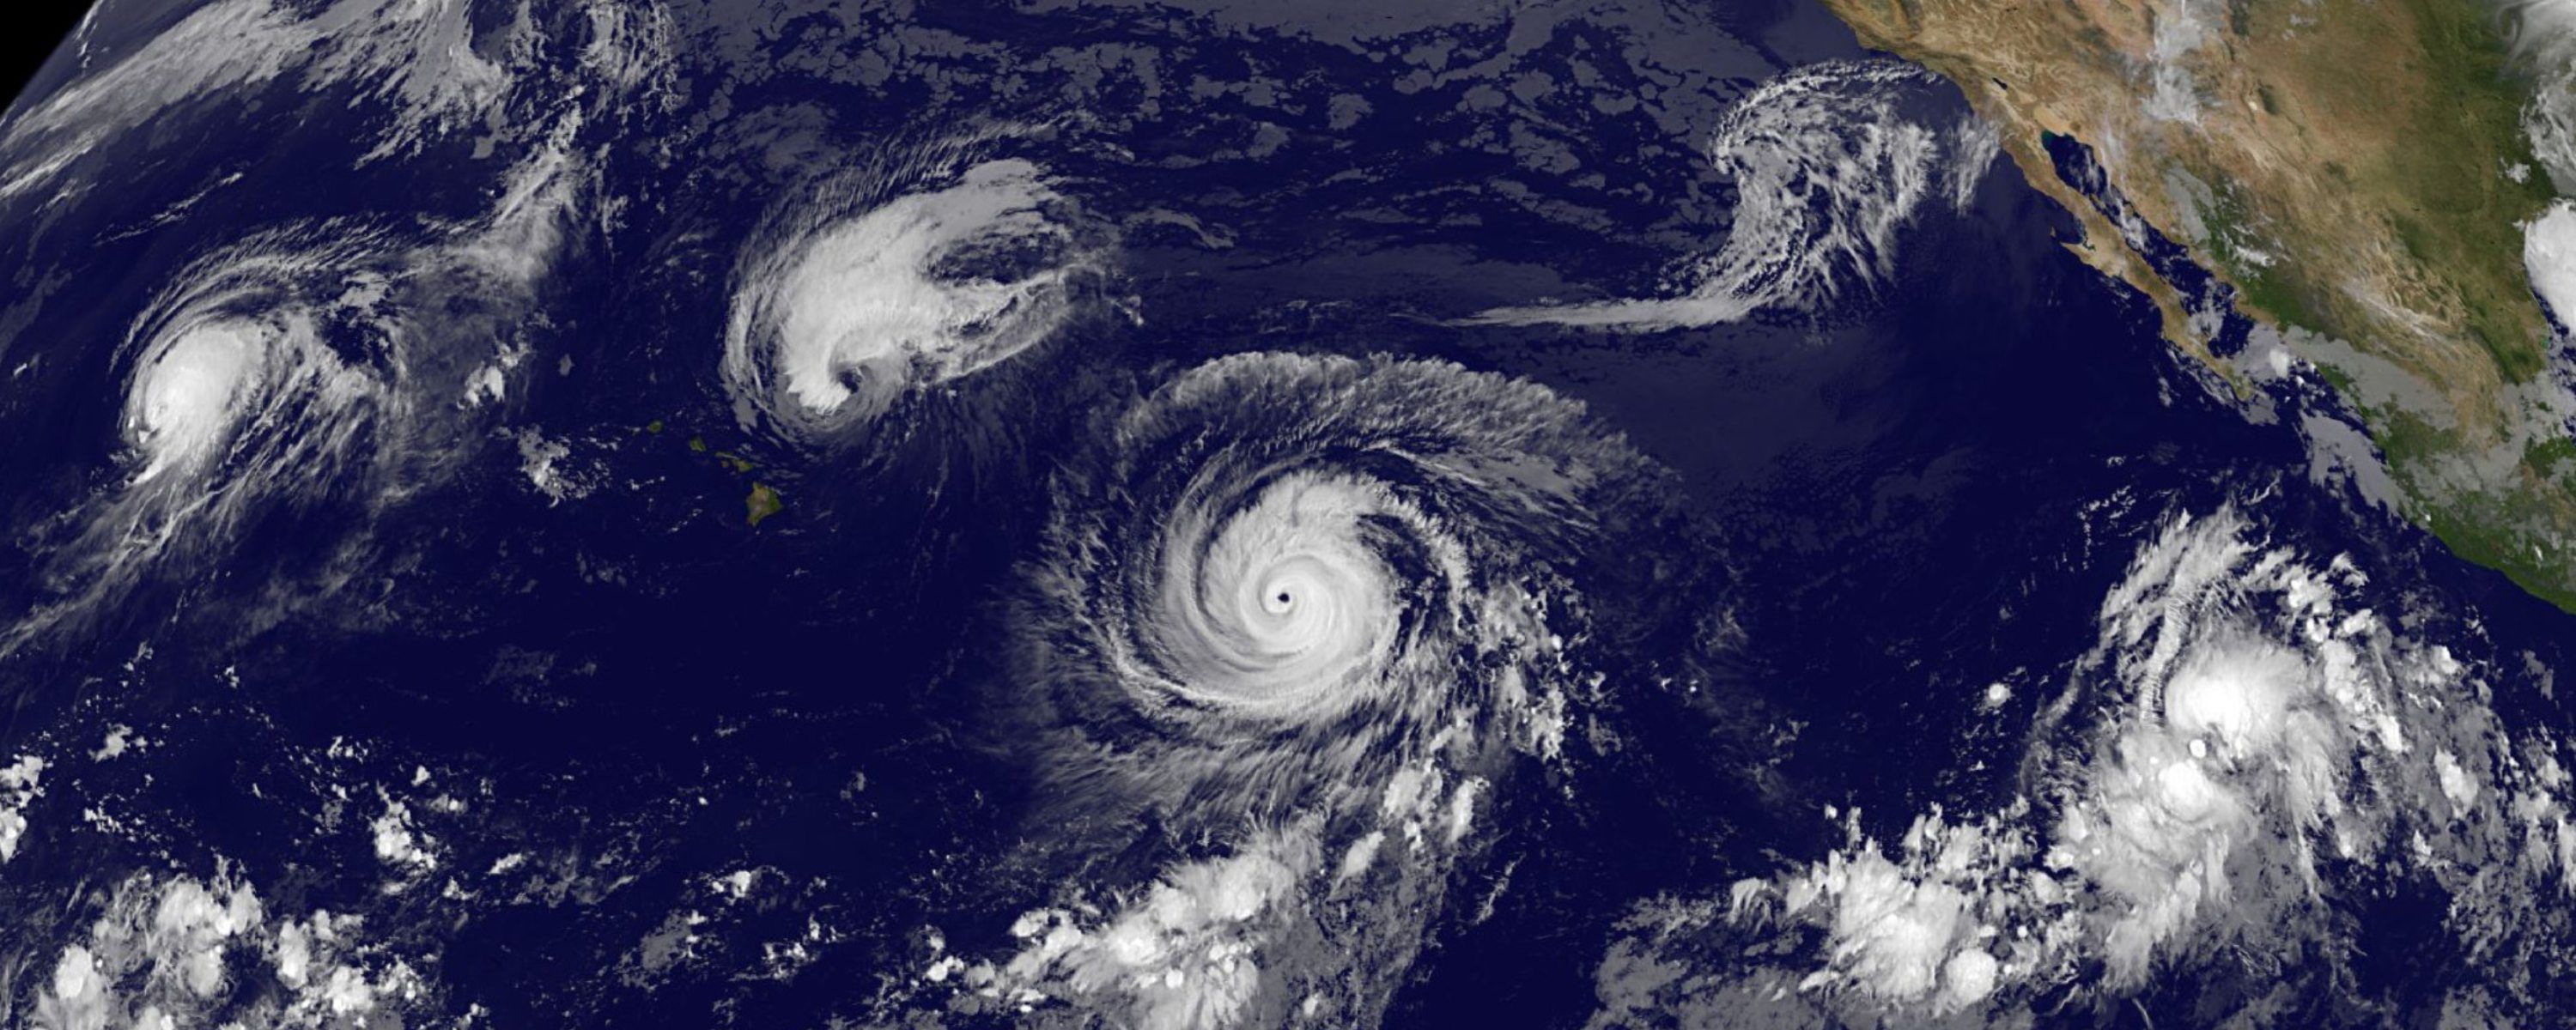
(1886,506)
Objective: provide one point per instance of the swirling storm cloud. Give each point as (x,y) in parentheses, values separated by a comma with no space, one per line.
(780,513)
(1307,610)
(898,280)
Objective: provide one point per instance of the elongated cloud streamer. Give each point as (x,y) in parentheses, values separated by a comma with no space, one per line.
(293,369)
(1827,167)
(434,66)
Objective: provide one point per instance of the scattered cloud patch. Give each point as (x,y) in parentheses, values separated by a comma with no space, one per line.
(21,783)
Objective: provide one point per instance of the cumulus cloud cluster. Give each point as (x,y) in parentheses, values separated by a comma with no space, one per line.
(1300,615)
(2243,730)
(179,951)
(1184,954)
(21,782)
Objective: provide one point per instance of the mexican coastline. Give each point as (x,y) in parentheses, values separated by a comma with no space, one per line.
(1266,513)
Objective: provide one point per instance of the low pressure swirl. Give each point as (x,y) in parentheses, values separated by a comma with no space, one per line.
(1299,613)
(1290,541)
(895,280)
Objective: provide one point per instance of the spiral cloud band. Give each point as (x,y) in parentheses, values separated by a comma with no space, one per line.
(837,315)
(1285,612)
(1303,610)
(1289,544)
(236,392)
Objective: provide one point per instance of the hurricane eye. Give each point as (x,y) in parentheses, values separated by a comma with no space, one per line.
(1312,591)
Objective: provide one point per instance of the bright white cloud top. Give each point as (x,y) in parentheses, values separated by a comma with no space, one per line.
(2245,747)
(179,951)
(1301,612)
(291,369)
(912,279)
(184,403)
(1285,612)
(236,393)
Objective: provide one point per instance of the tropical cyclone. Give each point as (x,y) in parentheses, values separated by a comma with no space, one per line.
(2377,218)
(1294,627)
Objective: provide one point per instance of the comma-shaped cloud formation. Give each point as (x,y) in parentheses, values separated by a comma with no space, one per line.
(897,281)
(1828,167)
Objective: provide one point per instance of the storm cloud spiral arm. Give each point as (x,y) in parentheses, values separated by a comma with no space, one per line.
(255,381)
(1321,592)
(755,514)
(1284,541)
(225,365)
(895,279)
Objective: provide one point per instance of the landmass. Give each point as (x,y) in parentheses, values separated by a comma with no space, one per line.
(2358,171)
(762,503)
